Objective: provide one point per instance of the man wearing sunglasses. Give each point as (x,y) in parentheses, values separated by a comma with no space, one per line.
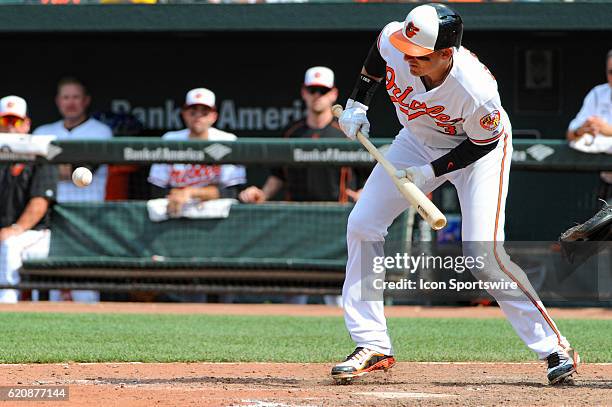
(311,183)
(454,129)
(592,126)
(181,183)
(27,192)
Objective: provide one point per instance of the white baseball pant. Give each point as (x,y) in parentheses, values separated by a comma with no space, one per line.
(482,189)
(28,245)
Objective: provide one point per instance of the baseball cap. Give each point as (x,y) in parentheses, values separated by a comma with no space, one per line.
(428,28)
(319,76)
(13,106)
(200,96)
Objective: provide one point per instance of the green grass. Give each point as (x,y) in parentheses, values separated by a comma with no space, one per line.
(37,337)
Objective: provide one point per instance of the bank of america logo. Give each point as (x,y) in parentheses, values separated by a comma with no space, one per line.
(217,151)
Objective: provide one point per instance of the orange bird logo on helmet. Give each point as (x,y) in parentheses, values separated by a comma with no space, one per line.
(411,30)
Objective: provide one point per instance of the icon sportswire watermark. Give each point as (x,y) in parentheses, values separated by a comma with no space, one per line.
(503,271)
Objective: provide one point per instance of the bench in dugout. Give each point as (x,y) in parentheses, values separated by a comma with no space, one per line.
(288,248)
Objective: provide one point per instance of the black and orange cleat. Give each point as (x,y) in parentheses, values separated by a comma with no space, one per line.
(562,365)
(359,363)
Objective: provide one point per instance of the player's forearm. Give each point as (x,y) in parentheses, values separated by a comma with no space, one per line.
(272,186)
(33,213)
(461,156)
(606,130)
(372,72)
(205,193)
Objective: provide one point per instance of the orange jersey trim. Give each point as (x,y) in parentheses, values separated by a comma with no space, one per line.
(489,140)
(499,262)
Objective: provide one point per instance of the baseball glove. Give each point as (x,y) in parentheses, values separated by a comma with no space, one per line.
(596,229)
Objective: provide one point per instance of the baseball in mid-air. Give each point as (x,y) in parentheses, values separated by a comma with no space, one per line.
(81,177)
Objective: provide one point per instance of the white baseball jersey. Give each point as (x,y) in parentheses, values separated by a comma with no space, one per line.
(466,104)
(598,102)
(197,175)
(91,129)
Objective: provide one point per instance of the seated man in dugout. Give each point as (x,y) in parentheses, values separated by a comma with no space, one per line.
(593,124)
(28,191)
(181,183)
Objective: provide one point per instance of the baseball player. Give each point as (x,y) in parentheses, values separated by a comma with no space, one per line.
(73,101)
(182,183)
(311,183)
(592,126)
(28,191)
(454,129)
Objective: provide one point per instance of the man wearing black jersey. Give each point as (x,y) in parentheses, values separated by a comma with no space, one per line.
(28,190)
(327,183)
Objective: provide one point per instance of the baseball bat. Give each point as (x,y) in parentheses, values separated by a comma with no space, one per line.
(411,192)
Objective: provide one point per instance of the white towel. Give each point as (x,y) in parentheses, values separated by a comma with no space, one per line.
(194,209)
(593,144)
(27,146)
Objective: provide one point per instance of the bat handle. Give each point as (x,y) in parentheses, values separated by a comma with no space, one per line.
(414,195)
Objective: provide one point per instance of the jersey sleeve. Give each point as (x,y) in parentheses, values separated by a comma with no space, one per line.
(232,175)
(589,108)
(485,125)
(159,175)
(44,182)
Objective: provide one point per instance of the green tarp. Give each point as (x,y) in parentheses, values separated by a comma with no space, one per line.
(295,235)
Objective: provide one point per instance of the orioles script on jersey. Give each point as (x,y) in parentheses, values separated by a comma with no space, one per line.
(415,108)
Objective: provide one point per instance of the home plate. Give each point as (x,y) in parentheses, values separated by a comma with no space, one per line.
(404,395)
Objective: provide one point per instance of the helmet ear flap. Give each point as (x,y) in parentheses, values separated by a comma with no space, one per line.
(456,35)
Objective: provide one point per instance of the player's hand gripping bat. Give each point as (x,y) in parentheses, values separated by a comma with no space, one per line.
(414,195)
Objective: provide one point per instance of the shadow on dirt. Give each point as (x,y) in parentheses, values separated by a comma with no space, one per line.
(263,381)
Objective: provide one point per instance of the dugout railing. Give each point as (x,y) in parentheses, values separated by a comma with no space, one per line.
(271,248)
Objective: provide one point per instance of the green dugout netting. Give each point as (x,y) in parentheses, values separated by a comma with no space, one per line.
(267,236)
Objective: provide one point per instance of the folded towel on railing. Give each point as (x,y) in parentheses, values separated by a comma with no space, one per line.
(593,144)
(213,209)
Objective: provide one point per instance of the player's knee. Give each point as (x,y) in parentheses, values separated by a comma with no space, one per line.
(361,227)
